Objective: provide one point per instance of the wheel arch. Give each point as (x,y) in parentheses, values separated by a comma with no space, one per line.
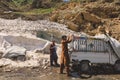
(117,61)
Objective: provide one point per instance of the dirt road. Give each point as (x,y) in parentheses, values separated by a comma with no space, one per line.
(51,73)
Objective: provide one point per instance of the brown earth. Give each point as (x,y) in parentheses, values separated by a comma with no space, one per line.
(87,17)
(80,17)
(51,73)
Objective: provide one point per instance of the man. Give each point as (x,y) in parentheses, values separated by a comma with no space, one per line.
(65,60)
(53,54)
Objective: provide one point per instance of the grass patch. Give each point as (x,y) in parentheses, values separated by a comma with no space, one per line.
(36,11)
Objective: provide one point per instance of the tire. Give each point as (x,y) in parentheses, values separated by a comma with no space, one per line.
(117,66)
(75,67)
(85,67)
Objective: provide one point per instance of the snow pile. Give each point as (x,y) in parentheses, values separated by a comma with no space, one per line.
(35,60)
(14,51)
(114,42)
(29,43)
(22,26)
(103,36)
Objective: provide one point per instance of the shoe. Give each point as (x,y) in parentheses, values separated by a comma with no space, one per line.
(69,75)
(52,65)
(57,65)
(61,73)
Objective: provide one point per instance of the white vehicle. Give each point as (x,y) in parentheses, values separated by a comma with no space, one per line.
(87,51)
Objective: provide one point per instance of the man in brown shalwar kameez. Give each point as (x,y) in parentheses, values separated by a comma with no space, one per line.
(65,59)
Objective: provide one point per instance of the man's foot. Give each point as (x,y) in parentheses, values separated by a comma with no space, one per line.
(69,75)
(57,65)
(61,73)
(52,65)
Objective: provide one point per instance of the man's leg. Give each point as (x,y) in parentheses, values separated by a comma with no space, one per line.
(55,60)
(61,68)
(51,60)
(67,62)
(68,71)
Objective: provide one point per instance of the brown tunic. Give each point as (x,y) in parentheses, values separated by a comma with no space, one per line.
(64,55)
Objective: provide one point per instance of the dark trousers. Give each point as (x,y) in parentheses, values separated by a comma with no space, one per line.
(53,59)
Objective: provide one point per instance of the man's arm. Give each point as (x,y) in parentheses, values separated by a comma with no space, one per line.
(69,38)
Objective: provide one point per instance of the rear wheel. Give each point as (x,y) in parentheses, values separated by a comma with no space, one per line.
(117,66)
(85,67)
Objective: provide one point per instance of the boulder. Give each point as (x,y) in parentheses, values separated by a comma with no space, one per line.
(15,53)
(91,17)
(101,29)
(78,18)
(117,2)
(72,5)
(1,53)
(68,16)
(54,17)
(107,1)
(72,26)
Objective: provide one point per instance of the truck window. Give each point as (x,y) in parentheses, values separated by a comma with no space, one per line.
(89,45)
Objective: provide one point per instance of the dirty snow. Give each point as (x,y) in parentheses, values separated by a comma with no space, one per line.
(34,60)
(21,33)
(22,26)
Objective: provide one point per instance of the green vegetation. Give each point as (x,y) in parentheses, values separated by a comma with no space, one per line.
(82,1)
(30,8)
(18,3)
(36,11)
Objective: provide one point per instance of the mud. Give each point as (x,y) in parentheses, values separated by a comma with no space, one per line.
(52,73)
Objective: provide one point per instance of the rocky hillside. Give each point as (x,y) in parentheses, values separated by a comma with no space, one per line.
(27,9)
(90,17)
(41,28)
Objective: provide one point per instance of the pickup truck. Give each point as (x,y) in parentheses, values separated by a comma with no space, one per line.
(87,51)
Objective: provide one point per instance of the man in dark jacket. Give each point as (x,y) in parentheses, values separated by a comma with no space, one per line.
(53,54)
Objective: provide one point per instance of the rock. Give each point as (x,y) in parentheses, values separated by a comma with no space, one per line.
(91,17)
(78,18)
(114,14)
(7,70)
(63,7)
(72,5)
(101,29)
(107,1)
(117,2)
(1,53)
(45,67)
(15,53)
(72,26)
(54,17)
(45,62)
(68,16)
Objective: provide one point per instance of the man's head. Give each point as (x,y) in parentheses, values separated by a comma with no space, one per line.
(64,37)
(53,42)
